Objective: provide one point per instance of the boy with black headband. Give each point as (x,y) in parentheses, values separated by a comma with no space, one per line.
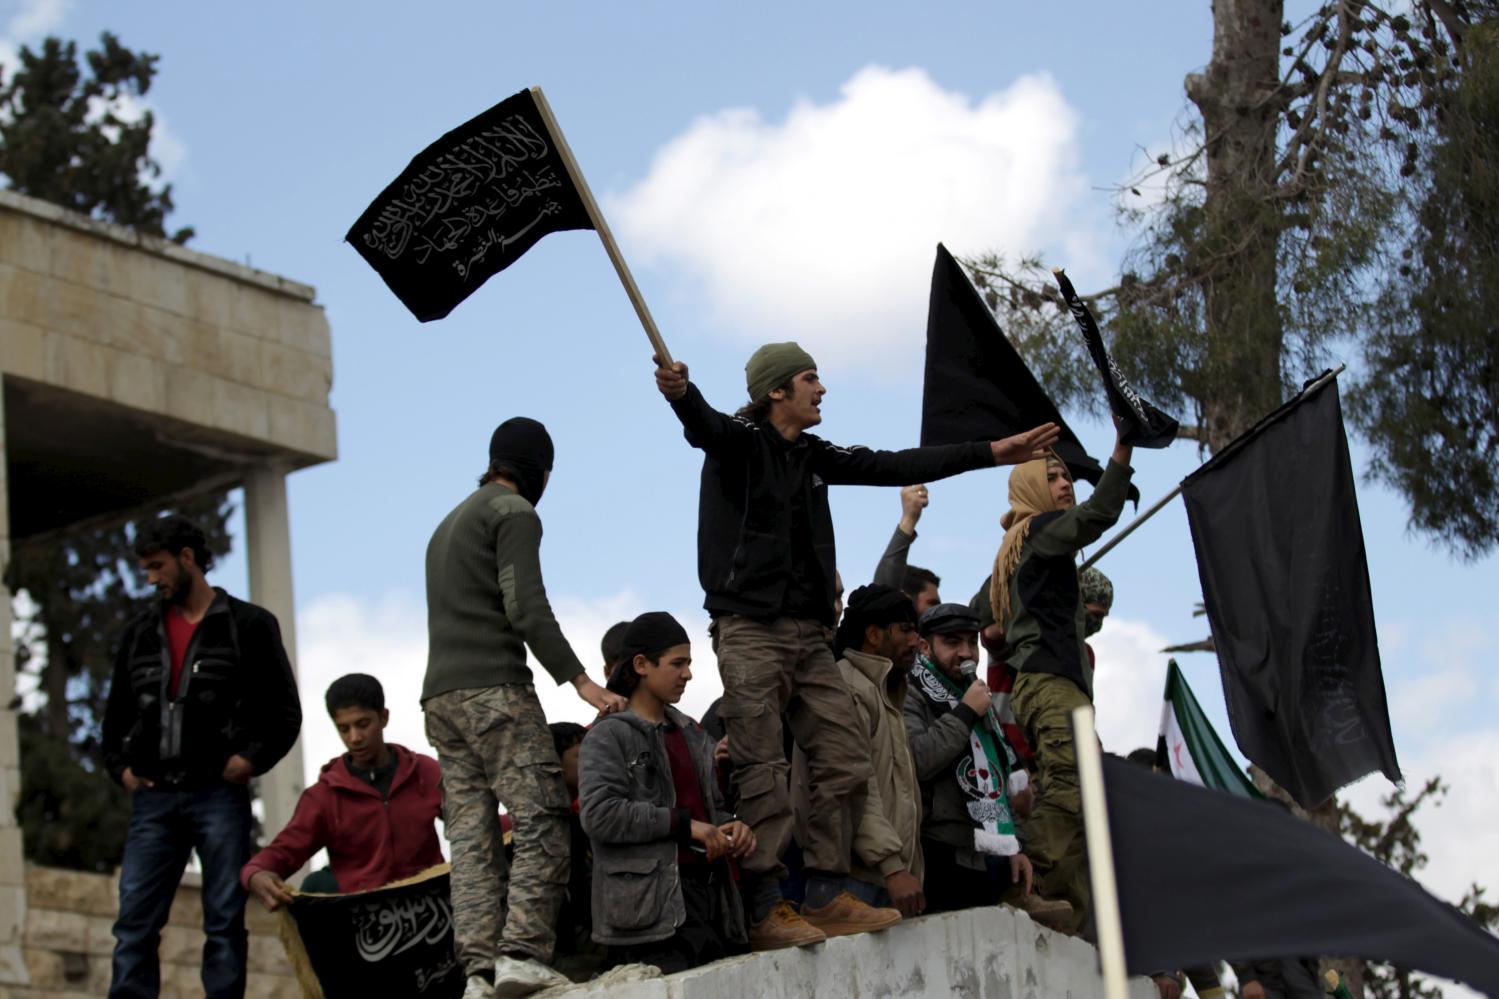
(662,893)
(766,560)
(485,604)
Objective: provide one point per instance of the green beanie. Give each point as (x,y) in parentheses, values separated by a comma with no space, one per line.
(772,366)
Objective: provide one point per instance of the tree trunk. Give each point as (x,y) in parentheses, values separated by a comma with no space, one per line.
(1241,368)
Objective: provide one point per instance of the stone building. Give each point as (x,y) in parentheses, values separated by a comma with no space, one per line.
(133,372)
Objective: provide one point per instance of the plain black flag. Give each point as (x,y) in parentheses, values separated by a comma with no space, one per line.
(1141,424)
(1280,553)
(468,206)
(977,388)
(1205,876)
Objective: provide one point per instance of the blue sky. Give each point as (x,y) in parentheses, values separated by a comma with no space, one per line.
(772,170)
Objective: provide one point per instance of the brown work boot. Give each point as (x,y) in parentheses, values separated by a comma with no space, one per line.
(1049,912)
(847,914)
(783,928)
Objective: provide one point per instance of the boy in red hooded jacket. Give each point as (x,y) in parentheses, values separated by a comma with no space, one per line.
(373,807)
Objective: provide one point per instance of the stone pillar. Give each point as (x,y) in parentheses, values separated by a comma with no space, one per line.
(12,863)
(268,544)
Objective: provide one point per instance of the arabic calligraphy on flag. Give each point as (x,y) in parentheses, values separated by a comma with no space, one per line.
(395,940)
(468,206)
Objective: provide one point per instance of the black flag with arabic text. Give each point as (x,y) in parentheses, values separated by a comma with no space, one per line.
(468,206)
(1280,553)
(1140,423)
(1231,878)
(977,387)
(391,941)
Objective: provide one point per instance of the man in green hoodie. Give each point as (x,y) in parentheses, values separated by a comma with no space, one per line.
(485,604)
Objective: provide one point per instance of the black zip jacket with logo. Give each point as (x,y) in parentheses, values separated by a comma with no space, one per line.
(752,478)
(237,695)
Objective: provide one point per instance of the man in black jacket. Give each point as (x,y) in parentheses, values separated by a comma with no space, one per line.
(766,562)
(203,699)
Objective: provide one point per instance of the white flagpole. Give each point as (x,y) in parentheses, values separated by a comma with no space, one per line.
(1100,855)
(602,227)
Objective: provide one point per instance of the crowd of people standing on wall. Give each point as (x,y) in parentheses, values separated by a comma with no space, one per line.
(858,770)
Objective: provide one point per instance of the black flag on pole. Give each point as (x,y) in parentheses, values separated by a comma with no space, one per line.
(1280,553)
(977,388)
(1141,424)
(468,206)
(1227,878)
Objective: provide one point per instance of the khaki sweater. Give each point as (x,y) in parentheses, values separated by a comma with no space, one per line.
(485,598)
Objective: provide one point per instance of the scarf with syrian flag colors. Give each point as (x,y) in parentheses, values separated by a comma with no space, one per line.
(980,772)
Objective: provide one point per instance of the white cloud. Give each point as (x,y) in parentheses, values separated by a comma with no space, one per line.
(1128,684)
(1425,701)
(37,17)
(823,226)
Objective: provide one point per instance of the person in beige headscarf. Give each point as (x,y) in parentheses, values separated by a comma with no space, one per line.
(1037,601)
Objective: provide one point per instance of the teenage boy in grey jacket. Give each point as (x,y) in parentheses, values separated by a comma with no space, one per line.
(662,890)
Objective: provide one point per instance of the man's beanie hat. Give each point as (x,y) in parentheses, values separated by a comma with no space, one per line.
(772,366)
(944,619)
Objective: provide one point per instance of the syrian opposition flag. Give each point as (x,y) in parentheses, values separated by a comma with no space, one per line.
(1189,749)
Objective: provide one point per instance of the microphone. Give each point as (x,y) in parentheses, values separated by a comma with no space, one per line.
(969,669)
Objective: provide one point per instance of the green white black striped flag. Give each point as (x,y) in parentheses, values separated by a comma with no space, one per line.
(1189,749)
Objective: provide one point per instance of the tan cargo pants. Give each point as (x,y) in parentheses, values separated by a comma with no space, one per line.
(495,748)
(786,666)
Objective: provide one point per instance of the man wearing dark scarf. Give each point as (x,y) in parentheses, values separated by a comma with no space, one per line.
(485,604)
(766,561)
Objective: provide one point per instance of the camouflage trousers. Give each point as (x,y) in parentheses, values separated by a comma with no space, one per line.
(494,747)
(1054,833)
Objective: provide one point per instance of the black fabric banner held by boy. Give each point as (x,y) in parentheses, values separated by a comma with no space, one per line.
(468,206)
(1280,552)
(1141,424)
(392,941)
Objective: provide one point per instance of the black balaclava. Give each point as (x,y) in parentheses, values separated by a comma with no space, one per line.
(525,446)
(649,635)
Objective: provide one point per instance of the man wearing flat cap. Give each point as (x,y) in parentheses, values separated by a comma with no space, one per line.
(766,562)
(969,776)
(485,604)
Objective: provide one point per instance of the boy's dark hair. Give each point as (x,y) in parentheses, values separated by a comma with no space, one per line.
(171,534)
(356,690)
(566,735)
(1143,757)
(613,645)
(917,579)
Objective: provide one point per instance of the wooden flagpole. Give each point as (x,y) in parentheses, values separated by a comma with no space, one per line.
(610,246)
(1100,855)
(1155,508)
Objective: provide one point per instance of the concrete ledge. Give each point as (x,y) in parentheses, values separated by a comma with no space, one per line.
(995,953)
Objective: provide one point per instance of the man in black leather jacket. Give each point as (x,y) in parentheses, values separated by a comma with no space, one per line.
(203,699)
